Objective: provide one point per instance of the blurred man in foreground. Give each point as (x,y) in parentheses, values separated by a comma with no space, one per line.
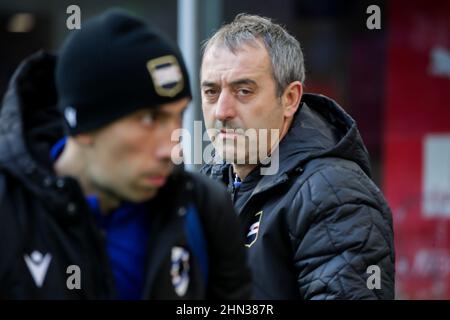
(103,213)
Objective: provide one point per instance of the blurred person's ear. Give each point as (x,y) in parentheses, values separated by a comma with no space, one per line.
(84,139)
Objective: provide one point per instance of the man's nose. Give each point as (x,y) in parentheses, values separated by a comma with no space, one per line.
(225,108)
(164,150)
(167,141)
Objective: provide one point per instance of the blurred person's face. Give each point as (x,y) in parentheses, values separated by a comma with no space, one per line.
(239,92)
(130,159)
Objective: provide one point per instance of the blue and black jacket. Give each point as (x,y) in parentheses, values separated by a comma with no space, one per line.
(195,248)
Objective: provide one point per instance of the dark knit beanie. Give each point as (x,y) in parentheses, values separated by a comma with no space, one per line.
(114,65)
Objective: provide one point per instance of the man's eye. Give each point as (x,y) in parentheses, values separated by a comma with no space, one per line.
(244,92)
(210,92)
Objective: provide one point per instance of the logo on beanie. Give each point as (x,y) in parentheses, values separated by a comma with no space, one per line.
(166,75)
(71,116)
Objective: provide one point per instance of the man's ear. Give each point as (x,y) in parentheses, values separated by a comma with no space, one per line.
(291,98)
(84,139)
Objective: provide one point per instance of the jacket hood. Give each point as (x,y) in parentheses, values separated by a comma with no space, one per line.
(30,122)
(321,128)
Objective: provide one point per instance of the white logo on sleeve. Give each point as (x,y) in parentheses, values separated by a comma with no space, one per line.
(38,266)
(71,116)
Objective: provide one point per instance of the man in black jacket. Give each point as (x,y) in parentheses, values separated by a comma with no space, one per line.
(316,226)
(103,213)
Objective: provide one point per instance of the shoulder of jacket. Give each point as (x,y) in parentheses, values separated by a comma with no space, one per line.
(335,170)
(331,182)
(6,191)
(3,185)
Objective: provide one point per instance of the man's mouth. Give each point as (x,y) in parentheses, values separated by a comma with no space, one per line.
(157,181)
(228,134)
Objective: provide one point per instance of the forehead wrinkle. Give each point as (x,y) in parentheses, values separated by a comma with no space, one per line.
(213,61)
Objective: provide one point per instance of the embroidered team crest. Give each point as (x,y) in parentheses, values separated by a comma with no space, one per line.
(179,270)
(252,234)
(166,74)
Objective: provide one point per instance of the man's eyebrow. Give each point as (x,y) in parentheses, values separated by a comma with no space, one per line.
(243,81)
(232,83)
(209,84)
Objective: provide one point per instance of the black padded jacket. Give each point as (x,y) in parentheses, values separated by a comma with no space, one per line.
(318,228)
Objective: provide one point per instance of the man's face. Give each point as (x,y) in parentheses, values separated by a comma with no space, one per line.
(130,158)
(239,92)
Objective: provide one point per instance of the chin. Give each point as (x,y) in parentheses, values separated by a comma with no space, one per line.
(228,155)
(142,195)
(231,155)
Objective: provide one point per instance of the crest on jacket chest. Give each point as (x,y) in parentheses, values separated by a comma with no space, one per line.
(252,231)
